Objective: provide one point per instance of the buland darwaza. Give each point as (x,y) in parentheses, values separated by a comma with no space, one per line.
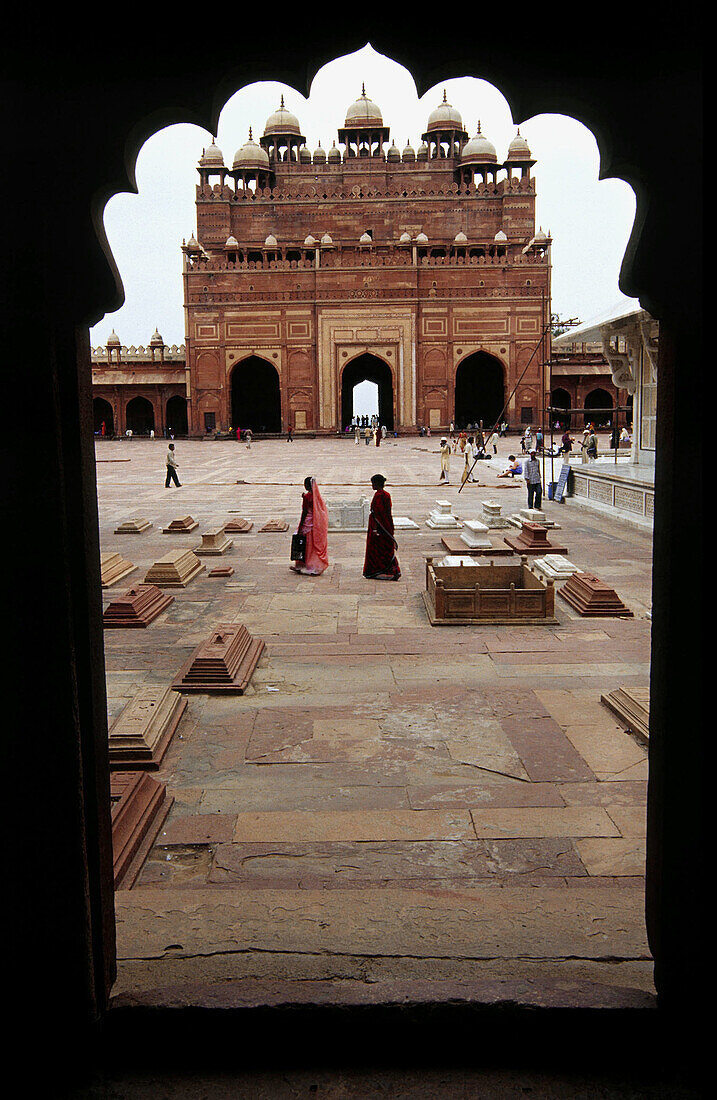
(420,270)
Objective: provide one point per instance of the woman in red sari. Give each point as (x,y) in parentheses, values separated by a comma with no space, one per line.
(380,562)
(314,523)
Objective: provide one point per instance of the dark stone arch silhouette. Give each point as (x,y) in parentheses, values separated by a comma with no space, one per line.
(176,415)
(560,399)
(368,368)
(139,416)
(102,411)
(480,390)
(600,401)
(256,396)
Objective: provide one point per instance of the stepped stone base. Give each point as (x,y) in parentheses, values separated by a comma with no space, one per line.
(181,526)
(214,542)
(555,567)
(175,570)
(632,706)
(224,664)
(138,607)
(139,809)
(275,525)
(592,597)
(113,567)
(133,527)
(238,526)
(533,539)
(141,734)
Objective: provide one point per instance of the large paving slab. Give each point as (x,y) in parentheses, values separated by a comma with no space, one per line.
(384,790)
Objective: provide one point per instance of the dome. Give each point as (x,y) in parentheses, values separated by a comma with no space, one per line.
(393,153)
(405,238)
(156,339)
(409,153)
(334,155)
(540,238)
(460,238)
(444,117)
(212,157)
(518,149)
(250,156)
(365,238)
(421,239)
(422,153)
(193,244)
(500,237)
(327,239)
(113,340)
(310,241)
(479,150)
(319,155)
(282,122)
(305,155)
(231,243)
(363,112)
(271,242)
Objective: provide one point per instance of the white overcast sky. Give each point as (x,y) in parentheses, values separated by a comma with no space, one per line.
(589,219)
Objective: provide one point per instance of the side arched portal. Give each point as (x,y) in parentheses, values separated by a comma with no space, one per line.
(367,368)
(480,390)
(103,414)
(256,396)
(139,416)
(560,399)
(598,408)
(176,415)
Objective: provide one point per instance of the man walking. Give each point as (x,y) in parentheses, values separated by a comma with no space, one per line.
(171,468)
(531,472)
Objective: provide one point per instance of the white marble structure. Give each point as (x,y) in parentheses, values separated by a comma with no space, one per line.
(475,535)
(491,515)
(348,515)
(554,567)
(404,523)
(442,518)
(457,559)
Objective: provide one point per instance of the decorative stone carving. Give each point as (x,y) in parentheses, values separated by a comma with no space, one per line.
(133,526)
(441,517)
(175,570)
(348,515)
(214,542)
(139,809)
(483,592)
(142,732)
(113,567)
(592,597)
(137,607)
(533,539)
(181,526)
(223,664)
(622,364)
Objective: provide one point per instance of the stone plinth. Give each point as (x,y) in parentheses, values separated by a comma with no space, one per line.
(238,526)
(475,535)
(181,526)
(632,707)
(137,607)
(113,567)
(139,809)
(592,597)
(348,515)
(276,526)
(214,542)
(141,734)
(175,570)
(491,515)
(404,523)
(441,517)
(474,592)
(223,664)
(533,539)
(221,571)
(556,567)
(456,559)
(133,526)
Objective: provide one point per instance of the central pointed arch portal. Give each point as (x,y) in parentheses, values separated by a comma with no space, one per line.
(368,368)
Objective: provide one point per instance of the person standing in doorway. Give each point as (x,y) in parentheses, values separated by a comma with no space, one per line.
(531,473)
(172,465)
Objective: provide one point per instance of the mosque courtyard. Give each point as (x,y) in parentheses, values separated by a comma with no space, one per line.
(392,809)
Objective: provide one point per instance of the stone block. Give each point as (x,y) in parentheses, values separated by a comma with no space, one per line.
(214,542)
(632,707)
(137,607)
(492,517)
(181,526)
(221,571)
(141,734)
(277,526)
(238,526)
(348,515)
(441,517)
(223,664)
(175,570)
(139,809)
(113,567)
(533,539)
(133,526)
(404,523)
(591,597)
(556,567)
(475,535)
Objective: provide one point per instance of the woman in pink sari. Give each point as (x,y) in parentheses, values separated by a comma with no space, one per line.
(314,523)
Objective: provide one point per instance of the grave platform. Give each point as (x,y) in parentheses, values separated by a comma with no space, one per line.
(133,526)
(533,539)
(591,597)
(224,664)
(137,607)
(455,545)
(632,706)
(139,809)
(238,526)
(486,593)
(214,543)
(113,567)
(441,517)
(181,526)
(175,570)
(277,526)
(144,729)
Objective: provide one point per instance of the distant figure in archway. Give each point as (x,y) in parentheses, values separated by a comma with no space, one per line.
(380,561)
(314,524)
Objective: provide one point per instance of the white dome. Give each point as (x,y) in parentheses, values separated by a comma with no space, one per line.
(231,243)
(327,239)
(421,239)
(479,150)
(271,241)
(444,117)
(334,154)
(251,156)
(319,155)
(310,241)
(212,157)
(282,122)
(518,148)
(460,238)
(363,112)
(365,239)
(405,238)
(409,153)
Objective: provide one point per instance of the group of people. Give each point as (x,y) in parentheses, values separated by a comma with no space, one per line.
(380,560)
(369,433)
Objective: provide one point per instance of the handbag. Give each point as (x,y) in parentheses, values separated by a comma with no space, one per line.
(298,547)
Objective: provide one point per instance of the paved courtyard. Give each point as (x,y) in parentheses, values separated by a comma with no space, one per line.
(392,809)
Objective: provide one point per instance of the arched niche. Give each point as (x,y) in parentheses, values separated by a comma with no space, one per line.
(479,389)
(139,416)
(256,396)
(103,417)
(367,367)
